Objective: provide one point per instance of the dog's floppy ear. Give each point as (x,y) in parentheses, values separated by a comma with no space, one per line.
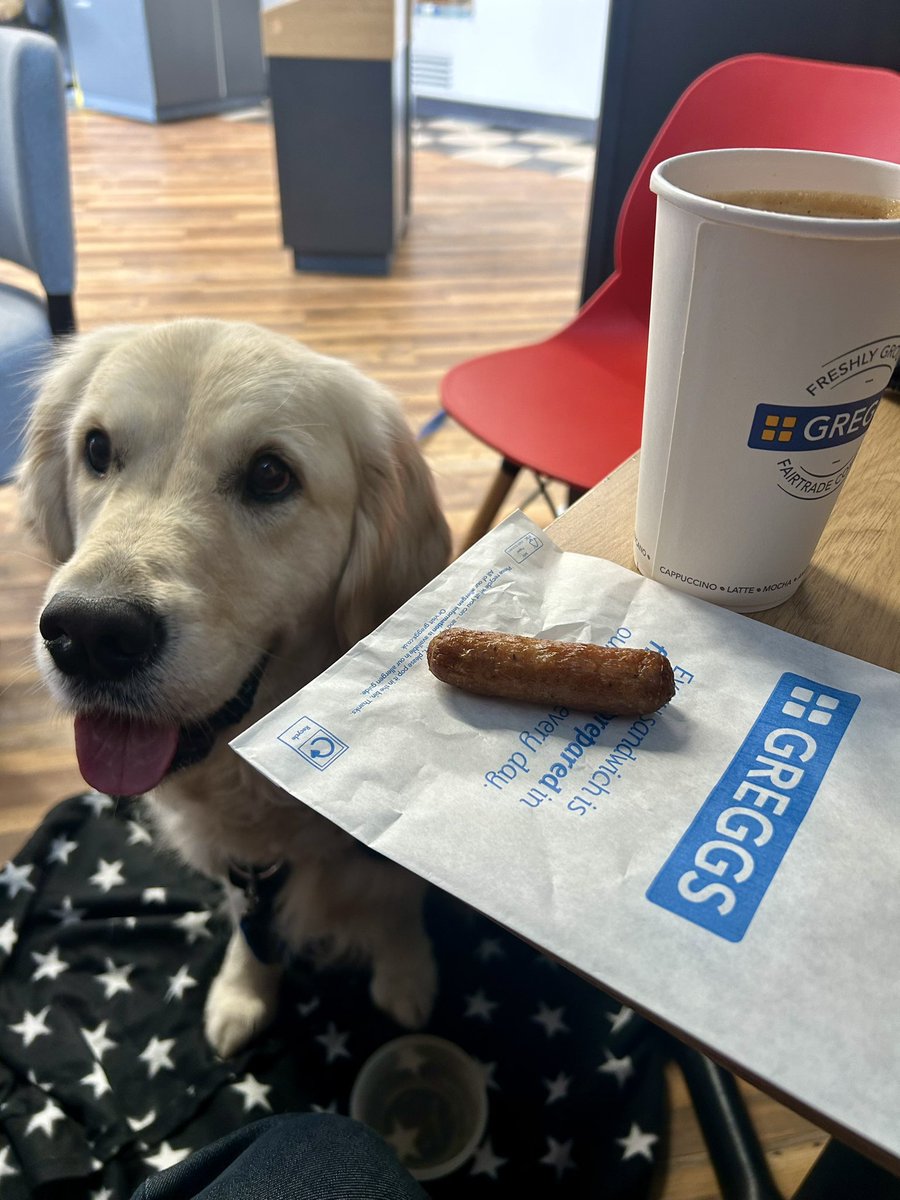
(400,538)
(41,474)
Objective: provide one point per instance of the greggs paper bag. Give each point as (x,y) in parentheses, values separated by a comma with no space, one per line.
(727,864)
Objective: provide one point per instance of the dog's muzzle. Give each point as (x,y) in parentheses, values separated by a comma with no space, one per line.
(101,643)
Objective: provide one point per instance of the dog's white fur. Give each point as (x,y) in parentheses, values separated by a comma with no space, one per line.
(187,405)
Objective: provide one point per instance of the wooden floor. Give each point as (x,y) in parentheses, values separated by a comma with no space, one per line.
(183,219)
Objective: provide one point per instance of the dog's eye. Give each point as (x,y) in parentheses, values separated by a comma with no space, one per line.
(268,478)
(98,451)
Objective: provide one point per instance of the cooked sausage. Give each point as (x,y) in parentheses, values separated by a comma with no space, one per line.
(617,682)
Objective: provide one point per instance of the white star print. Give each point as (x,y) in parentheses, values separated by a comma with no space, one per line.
(114,979)
(98,1041)
(32,1025)
(551,1019)
(335,1043)
(557,1088)
(403,1141)
(96,803)
(8,935)
(487,1071)
(104,1193)
(45,1119)
(60,849)
(324,1108)
(254,1093)
(488,948)
(179,983)
(558,1156)
(97,1080)
(138,833)
(50,965)
(637,1142)
(5,1168)
(15,879)
(154,895)
(108,875)
(139,1123)
(486,1162)
(621,1068)
(166,1156)
(156,1055)
(66,914)
(193,925)
(478,1005)
(622,1017)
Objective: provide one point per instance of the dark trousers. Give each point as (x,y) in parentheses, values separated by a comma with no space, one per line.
(290,1157)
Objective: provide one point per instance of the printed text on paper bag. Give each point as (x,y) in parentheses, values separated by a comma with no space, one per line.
(585,768)
(415,647)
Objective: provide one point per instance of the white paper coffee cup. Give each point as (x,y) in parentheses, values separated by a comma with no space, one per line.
(772,337)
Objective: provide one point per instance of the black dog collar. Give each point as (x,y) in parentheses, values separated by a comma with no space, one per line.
(196,741)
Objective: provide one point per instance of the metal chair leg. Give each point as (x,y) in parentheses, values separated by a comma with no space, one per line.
(497,493)
(61,314)
(842,1174)
(431,426)
(734,1149)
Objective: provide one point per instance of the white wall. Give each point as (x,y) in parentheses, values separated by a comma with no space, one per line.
(535,55)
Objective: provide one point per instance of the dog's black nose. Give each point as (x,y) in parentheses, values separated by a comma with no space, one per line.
(100,638)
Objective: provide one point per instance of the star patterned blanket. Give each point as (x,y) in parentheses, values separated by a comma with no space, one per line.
(107,947)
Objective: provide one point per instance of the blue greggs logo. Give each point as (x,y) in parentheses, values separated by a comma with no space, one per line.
(785,427)
(721,869)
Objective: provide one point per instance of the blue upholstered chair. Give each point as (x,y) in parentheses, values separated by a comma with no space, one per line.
(35,222)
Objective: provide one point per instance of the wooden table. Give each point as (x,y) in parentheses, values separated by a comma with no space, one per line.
(849,601)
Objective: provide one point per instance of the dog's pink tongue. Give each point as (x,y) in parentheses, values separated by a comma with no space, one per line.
(121,757)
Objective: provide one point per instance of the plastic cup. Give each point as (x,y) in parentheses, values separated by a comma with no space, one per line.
(427,1098)
(772,337)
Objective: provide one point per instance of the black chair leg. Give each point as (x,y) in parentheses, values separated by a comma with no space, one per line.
(734,1149)
(737,1156)
(61,314)
(842,1174)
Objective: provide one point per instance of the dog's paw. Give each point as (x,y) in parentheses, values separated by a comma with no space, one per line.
(234,1015)
(406,993)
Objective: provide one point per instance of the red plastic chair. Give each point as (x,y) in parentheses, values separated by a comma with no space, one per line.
(569,408)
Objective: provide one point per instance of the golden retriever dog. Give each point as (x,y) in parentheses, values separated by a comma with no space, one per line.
(231,512)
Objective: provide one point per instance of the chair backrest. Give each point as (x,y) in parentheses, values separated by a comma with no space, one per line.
(35,200)
(759,100)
